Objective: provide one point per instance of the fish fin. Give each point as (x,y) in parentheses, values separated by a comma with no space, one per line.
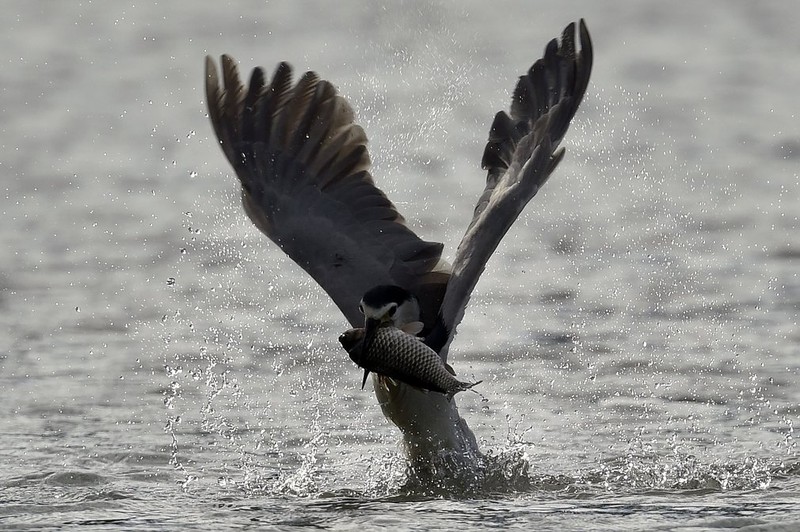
(364,380)
(414,327)
(449,368)
(386,381)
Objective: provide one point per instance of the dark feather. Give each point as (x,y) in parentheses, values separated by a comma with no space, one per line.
(304,169)
(520,155)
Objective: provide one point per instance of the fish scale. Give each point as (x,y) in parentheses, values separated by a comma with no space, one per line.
(403,357)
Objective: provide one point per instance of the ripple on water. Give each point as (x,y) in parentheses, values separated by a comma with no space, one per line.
(74,479)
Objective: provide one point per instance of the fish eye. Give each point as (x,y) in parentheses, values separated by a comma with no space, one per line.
(392,310)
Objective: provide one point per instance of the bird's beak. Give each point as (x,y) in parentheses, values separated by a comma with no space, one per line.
(370,328)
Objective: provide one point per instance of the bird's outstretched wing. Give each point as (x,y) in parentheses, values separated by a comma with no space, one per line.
(304,169)
(520,155)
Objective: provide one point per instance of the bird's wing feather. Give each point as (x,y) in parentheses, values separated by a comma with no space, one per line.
(521,153)
(304,169)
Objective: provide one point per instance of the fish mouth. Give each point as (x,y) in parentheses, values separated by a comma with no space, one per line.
(354,342)
(346,341)
(351,338)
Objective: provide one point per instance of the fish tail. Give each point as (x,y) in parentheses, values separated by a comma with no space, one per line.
(469,385)
(463,386)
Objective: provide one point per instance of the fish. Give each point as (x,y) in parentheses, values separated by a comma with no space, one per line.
(402,356)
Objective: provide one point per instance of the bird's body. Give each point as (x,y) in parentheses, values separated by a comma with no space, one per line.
(402,356)
(306,183)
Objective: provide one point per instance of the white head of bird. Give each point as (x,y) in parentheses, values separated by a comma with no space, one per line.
(388,305)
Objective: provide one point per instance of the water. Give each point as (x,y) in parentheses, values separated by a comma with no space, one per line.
(163,367)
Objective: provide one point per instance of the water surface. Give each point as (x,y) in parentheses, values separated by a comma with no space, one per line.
(164,367)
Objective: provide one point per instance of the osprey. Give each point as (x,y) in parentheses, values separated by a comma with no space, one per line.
(306,183)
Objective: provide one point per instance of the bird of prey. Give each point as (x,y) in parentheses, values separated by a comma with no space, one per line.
(307,185)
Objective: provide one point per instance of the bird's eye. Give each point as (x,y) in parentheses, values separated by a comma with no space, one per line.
(361,308)
(392,310)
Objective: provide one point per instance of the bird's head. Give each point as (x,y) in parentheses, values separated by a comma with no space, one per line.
(387,305)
